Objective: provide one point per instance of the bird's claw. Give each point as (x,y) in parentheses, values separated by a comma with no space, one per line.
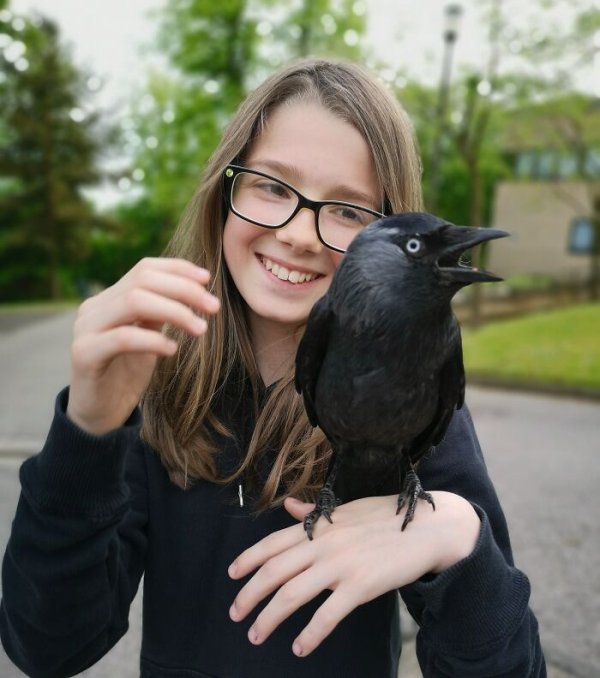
(412,491)
(325,506)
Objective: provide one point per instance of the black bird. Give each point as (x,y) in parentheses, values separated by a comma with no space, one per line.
(380,365)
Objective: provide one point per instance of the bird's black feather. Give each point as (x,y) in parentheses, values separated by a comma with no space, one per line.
(380,365)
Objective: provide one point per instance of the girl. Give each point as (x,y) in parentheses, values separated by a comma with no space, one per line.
(206,499)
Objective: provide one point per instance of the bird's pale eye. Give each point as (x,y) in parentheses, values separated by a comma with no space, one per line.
(413,246)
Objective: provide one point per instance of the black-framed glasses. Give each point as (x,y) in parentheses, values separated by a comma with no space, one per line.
(272,203)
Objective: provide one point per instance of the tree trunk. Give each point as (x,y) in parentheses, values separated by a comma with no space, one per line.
(476,219)
(54,287)
(594,289)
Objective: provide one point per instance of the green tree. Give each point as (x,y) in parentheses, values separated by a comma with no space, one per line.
(134,230)
(562,123)
(47,153)
(320,27)
(456,182)
(527,60)
(177,118)
(215,54)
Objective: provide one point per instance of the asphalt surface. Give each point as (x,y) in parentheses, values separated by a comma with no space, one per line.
(543,454)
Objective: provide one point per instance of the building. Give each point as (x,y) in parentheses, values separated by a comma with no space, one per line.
(553,204)
(540,217)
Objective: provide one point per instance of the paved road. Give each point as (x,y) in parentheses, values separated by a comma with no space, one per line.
(543,454)
(34,363)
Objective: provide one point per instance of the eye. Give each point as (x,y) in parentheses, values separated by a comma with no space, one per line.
(349,214)
(274,188)
(413,246)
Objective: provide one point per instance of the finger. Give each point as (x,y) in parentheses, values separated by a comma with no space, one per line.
(296,508)
(148,268)
(125,302)
(174,286)
(292,595)
(140,306)
(338,606)
(174,265)
(100,348)
(273,544)
(269,577)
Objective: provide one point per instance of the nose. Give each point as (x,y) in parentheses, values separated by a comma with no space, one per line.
(301,232)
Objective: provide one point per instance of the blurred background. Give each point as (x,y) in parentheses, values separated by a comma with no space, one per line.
(109,110)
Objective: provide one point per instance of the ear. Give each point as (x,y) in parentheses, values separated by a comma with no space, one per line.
(296,508)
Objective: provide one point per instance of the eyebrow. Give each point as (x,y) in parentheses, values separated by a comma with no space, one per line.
(291,174)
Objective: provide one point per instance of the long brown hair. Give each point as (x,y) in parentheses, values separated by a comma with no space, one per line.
(179,406)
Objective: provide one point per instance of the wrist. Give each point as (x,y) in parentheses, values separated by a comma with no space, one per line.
(95,427)
(463,529)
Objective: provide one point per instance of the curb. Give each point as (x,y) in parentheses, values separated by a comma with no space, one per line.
(534,387)
(19,449)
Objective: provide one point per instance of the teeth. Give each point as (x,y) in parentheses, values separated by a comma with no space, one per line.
(283,274)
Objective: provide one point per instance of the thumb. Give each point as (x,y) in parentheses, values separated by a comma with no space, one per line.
(296,508)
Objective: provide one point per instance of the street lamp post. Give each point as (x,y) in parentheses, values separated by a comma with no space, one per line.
(452,17)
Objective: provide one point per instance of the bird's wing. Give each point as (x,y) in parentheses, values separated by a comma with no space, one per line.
(451,397)
(311,352)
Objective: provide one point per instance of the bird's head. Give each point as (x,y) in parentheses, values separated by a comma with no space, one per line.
(433,246)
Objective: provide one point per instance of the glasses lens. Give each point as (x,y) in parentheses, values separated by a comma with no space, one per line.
(339,224)
(262,199)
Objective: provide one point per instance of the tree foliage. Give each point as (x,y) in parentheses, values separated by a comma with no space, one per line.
(319,27)
(47,154)
(215,54)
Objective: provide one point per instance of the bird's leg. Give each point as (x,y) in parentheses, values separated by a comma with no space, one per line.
(326,500)
(411,492)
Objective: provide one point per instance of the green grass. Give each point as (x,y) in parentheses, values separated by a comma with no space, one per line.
(557,348)
(36,306)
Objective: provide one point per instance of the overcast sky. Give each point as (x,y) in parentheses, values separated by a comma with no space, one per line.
(107,34)
(407,34)
(107,37)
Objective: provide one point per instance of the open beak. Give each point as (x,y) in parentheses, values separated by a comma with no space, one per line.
(459,239)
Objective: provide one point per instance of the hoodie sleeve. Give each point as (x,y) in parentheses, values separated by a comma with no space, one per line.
(474,618)
(77,548)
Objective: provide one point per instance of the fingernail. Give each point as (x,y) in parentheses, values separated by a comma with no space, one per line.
(297,649)
(233,612)
(253,635)
(200,324)
(232,569)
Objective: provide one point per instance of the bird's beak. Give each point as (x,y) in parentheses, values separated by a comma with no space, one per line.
(459,239)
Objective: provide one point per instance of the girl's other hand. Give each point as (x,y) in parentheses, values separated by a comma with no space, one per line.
(118,337)
(362,555)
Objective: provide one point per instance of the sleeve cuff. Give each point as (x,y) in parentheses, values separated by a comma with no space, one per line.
(478,602)
(76,473)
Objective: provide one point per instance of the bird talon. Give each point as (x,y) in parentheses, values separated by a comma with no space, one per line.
(309,520)
(401,502)
(375,417)
(325,506)
(412,491)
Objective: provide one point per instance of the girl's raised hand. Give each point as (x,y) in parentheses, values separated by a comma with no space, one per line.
(362,555)
(118,337)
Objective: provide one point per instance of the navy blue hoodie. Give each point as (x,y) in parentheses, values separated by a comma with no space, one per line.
(98,512)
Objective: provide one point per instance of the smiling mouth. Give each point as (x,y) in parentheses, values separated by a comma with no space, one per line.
(292,276)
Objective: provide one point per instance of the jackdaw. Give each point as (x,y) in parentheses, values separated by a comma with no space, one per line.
(380,364)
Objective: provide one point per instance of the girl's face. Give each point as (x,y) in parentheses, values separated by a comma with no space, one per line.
(325,158)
